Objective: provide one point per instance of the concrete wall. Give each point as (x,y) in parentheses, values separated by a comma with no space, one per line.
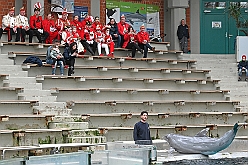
(95,8)
(195,26)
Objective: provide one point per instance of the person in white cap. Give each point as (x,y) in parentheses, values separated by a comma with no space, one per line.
(122,28)
(143,40)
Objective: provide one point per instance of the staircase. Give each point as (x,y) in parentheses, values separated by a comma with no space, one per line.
(224,67)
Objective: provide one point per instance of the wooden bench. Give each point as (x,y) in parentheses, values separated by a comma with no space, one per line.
(138,94)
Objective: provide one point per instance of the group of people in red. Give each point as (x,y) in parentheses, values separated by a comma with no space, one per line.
(89,34)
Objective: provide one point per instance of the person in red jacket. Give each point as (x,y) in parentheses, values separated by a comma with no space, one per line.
(130,41)
(97,23)
(88,20)
(36,24)
(76,23)
(143,40)
(122,28)
(62,24)
(49,26)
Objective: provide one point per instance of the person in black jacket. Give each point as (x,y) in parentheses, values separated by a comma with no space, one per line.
(243,66)
(70,53)
(141,132)
(114,32)
(183,35)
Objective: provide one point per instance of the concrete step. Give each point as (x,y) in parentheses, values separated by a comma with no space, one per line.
(162,119)
(117,72)
(135,94)
(25,80)
(15,74)
(15,122)
(52,111)
(33,86)
(111,82)
(38,98)
(17,107)
(73,118)
(84,133)
(30,137)
(68,125)
(155,106)
(91,140)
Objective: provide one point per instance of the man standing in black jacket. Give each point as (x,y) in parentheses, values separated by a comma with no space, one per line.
(141,132)
(183,36)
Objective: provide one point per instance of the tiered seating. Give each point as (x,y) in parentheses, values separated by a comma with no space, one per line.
(102,101)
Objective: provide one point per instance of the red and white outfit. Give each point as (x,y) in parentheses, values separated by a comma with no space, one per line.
(109,41)
(97,24)
(62,23)
(49,26)
(99,38)
(77,24)
(90,36)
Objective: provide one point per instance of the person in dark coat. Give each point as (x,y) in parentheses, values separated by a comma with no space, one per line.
(243,66)
(70,53)
(114,32)
(141,132)
(183,36)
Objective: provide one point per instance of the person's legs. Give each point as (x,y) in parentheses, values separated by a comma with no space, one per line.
(54,65)
(105,46)
(185,44)
(37,33)
(94,46)
(18,33)
(30,35)
(46,35)
(138,48)
(87,47)
(1,33)
(61,66)
(99,48)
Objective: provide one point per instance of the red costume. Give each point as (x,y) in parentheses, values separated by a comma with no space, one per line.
(35,22)
(49,26)
(97,24)
(108,40)
(142,36)
(122,28)
(77,24)
(90,36)
(129,38)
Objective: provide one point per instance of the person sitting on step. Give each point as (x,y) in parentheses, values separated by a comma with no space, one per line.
(99,38)
(143,40)
(243,66)
(130,41)
(57,58)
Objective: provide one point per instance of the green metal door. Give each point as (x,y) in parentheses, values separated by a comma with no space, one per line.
(218,30)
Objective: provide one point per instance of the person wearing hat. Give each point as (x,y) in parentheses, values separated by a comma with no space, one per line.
(109,41)
(243,66)
(62,23)
(23,25)
(9,25)
(122,28)
(99,38)
(36,25)
(49,26)
(143,40)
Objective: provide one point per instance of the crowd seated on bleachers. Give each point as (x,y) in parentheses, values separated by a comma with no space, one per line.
(89,33)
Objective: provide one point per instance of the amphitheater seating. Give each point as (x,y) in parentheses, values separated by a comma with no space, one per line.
(102,101)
